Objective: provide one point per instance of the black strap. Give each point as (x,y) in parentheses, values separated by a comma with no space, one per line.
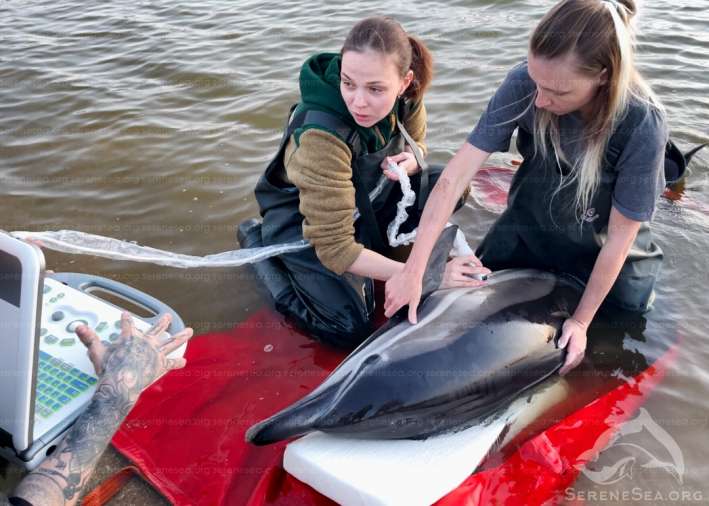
(367,215)
(326,120)
(19,501)
(416,150)
(675,164)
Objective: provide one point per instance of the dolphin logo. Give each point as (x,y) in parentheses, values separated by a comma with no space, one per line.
(623,467)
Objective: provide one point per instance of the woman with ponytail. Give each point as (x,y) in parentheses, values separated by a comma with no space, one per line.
(593,136)
(359,110)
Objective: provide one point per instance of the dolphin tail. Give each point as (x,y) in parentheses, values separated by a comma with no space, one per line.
(689,154)
(295,420)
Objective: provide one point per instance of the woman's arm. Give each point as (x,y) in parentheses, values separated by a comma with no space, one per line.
(621,234)
(371,264)
(404,287)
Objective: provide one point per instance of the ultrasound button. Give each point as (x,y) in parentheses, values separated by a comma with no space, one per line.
(58,316)
(72,326)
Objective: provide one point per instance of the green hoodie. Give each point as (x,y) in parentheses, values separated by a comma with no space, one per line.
(320,90)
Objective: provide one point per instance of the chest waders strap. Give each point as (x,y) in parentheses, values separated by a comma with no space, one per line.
(424,186)
(675,163)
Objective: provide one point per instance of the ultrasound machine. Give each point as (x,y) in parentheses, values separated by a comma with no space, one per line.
(46,377)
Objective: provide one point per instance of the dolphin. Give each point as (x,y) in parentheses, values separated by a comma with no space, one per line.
(472,353)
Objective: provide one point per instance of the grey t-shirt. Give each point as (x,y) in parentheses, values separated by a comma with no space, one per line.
(640,167)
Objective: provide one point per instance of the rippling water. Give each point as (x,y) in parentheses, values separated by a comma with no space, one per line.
(151,121)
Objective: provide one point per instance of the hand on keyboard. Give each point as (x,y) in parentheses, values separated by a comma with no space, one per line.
(136,359)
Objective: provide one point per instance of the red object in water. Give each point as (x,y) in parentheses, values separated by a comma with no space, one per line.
(186,433)
(490,187)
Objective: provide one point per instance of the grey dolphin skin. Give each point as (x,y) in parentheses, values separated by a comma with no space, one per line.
(473,351)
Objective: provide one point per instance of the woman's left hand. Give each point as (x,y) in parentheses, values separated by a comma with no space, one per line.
(573,334)
(405,160)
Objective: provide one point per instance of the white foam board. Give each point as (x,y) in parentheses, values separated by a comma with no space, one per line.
(358,472)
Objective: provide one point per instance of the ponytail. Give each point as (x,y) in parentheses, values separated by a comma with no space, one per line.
(422,67)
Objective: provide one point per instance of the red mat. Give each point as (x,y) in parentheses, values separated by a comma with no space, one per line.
(186,434)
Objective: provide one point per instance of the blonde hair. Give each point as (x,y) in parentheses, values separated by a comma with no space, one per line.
(601,35)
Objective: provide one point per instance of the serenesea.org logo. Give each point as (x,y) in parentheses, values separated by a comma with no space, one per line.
(639,451)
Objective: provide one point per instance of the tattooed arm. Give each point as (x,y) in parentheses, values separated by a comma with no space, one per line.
(125,369)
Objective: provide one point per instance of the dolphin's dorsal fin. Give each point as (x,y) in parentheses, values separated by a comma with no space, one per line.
(436,266)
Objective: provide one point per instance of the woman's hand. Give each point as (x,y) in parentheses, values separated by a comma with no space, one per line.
(573,334)
(405,287)
(405,160)
(464,271)
(401,289)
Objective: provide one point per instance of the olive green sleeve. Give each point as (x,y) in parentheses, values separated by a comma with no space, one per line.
(320,166)
(415,124)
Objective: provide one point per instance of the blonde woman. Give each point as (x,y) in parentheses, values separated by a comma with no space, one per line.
(593,138)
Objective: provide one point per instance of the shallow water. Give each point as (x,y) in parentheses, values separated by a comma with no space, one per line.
(151,121)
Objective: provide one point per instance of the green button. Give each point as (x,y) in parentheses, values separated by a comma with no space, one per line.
(47,289)
(60,295)
(50,339)
(67,341)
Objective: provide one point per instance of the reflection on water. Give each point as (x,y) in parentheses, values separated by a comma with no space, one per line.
(150,121)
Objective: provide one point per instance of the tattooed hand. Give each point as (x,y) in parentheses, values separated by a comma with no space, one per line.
(125,369)
(136,359)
